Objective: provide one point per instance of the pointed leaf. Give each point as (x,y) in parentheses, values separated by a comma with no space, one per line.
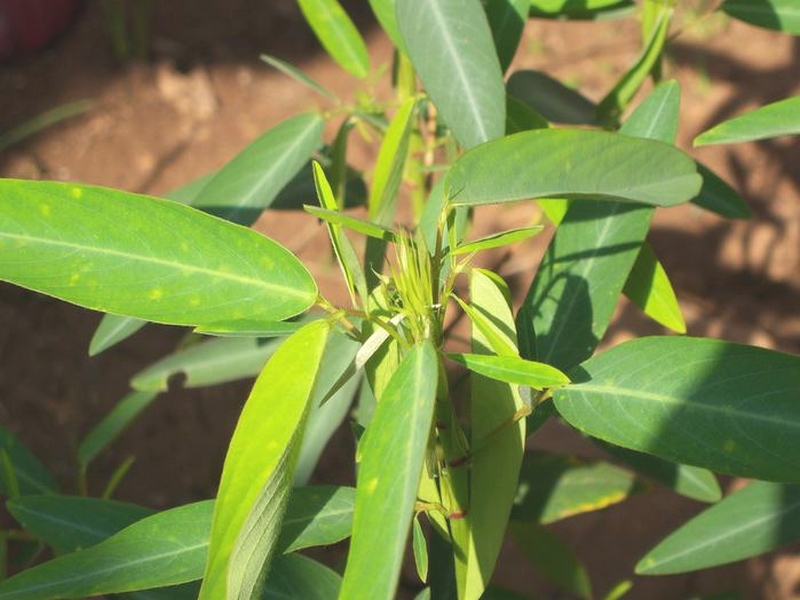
(709,403)
(511,369)
(497,240)
(772,120)
(145,257)
(111,330)
(572,163)
(297,576)
(337,34)
(316,516)
(256,478)
(506,20)
(780,15)
(112,425)
(393,456)
(759,518)
(208,362)
(290,70)
(32,477)
(649,288)
(719,197)
(251,181)
(367,228)
(420,549)
(452,50)
(385,13)
(551,98)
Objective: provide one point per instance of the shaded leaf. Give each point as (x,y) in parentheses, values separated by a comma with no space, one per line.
(780,15)
(297,576)
(772,120)
(298,75)
(521,117)
(316,516)
(111,330)
(551,98)
(506,20)
(337,34)
(31,475)
(580,9)
(719,197)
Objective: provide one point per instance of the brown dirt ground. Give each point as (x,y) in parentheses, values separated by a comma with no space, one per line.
(205,95)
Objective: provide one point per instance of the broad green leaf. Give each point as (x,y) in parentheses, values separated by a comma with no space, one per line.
(506,20)
(772,120)
(256,477)
(754,520)
(511,369)
(385,13)
(551,98)
(208,362)
(553,558)
(290,70)
(583,9)
(617,100)
(552,488)
(111,330)
(522,117)
(251,181)
(780,15)
(32,477)
(393,453)
(144,257)
(497,438)
(703,402)
(367,228)
(719,197)
(649,288)
(452,50)
(572,163)
(69,523)
(576,289)
(337,34)
(389,165)
(297,576)
(164,549)
(691,482)
(106,431)
(497,240)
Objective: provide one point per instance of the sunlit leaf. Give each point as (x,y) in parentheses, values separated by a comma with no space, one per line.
(780,15)
(367,228)
(497,240)
(111,330)
(772,120)
(420,549)
(337,34)
(511,369)
(385,13)
(649,288)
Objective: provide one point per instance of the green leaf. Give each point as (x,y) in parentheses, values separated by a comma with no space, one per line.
(521,117)
(385,13)
(297,576)
(43,121)
(579,9)
(709,403)
(252,328)
(32,477)
(393,451)
(772,120)
(337,34)
(420,549)
(691,482)
(572,163)
(452,50)
(551,98)
(107,430)
(649,288)
(780,15)
(144,257)
(111,330)
(719,197)
(257,476)
(290,70)
(167,548)
(316,516)
(497,240)
(69,523)
(754,520)
(552,488)
(251,181)
(511,369)
(553,558)
(506,20)
(208,362)
(367,228)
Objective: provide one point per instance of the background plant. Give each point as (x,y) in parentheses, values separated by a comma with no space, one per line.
(228,281)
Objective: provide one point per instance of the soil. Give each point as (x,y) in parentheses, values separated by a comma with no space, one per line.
(204,95)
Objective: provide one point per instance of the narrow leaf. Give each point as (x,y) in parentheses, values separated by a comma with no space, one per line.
(420,549)
(251,181)
(497,240)
(290,70)
(759,518)
(703,402)
(780,15)
(393,456)
(144,257)
(256,478)
(385,13)
(649,288)
(111,330)
(772,120)
(367,228)
(511,369)
(32,477)
(573,163)
(586,9)
(452,50)
(337,34)
(107,430)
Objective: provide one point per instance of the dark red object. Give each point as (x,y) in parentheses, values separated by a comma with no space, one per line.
(29,25)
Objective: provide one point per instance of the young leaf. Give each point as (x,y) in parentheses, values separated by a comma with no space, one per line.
(251,181)
(368,228)
(780,15)
(506,20)
(144,257)
(298,75)
(551,98)
(112,424)
(553,558)
(256,478)
(208,362)
(572,163)
(393,454)
(714,404)
(649,288)
(452,50)
(420,549)
(772,120)
(337,34)
(497,240)
(511,369)
(111,330)
(32,477)
(754,520)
